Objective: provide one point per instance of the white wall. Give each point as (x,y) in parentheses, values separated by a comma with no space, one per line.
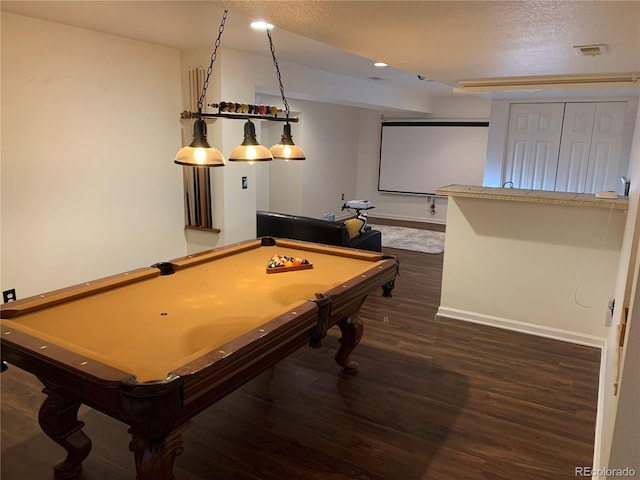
(622,366)
(89,132)
(314,186)
(539,268)
(408,207)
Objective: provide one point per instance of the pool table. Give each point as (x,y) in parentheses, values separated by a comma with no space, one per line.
(155,346)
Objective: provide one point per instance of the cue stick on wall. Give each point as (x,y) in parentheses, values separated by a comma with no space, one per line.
(192,88)
(196,195)
(193,203)
(207,179)
(187,206)
(202,197)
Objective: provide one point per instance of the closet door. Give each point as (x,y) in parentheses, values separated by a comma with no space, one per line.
(605,163)
(533,143)
(590,149)
(575,147)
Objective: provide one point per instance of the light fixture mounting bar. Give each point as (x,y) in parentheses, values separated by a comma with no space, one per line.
(237,116)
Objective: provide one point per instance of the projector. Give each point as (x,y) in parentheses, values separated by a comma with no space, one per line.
(361,204)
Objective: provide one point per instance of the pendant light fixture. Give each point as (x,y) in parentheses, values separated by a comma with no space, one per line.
(199,153)
(286,149)
(250,150)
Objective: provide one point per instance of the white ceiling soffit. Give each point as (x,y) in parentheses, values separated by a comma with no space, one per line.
(547,82)
(443,41)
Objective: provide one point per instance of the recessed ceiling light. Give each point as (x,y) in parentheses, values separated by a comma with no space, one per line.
(379,64)
(261,25)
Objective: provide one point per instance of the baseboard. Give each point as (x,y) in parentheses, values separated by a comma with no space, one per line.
(516,326)
(600,416)
(343,216)
(408,219)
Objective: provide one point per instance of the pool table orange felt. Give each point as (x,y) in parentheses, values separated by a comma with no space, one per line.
(156,325)
(172,345)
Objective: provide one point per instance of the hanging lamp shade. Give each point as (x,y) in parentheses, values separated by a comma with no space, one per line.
(199,153)
(286,149)
(250,150)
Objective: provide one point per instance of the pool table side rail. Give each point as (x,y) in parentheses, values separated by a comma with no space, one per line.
(357,289)
(203,381)
(333,249)
(233,249)
(38,302)
(213,254)
(216,374)
(96,383)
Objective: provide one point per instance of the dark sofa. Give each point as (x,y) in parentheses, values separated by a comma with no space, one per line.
(282,225)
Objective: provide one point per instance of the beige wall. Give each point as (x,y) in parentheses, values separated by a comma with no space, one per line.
(315,186)
(89,132)
(537,268)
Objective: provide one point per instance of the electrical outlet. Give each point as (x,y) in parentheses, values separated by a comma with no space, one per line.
(9,295)
(343,196)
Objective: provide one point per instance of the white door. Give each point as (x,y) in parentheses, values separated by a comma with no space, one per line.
(577,130)
(606,166)
(590,148)
(533,143)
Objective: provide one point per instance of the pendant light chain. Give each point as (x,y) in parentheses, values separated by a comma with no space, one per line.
(275,63)
(213,59)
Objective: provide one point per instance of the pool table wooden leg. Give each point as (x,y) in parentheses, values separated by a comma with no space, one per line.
(352,329)
(155,459)
(58,418)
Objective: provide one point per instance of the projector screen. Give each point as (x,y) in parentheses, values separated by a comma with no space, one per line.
(418,157)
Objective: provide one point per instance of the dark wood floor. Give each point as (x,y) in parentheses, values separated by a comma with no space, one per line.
(434,399)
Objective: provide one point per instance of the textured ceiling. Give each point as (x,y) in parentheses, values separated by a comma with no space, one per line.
(445,41)
(449,41)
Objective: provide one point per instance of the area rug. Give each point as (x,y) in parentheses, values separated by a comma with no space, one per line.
(418,240)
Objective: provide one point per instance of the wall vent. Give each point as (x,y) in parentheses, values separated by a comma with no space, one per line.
(590,50)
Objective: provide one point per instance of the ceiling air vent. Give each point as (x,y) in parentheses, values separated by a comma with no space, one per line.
(590,50)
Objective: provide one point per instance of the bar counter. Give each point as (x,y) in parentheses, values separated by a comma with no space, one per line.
(535,196)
